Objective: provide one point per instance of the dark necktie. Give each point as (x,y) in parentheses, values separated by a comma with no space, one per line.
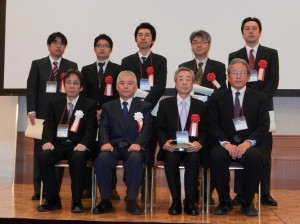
(70,111)
(251,60)
(199,74)
(144,60)
(237,111)
(54,71)
(125,111)
(100,73)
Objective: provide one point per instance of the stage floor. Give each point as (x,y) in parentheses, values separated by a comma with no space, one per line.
(15,202)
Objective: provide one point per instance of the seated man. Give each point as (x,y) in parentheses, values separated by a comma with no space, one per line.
(69,132)
(182,117)
(124,131)
(238,121)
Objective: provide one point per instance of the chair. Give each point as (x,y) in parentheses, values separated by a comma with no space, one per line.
(161,165)
(239,166)
(65,164)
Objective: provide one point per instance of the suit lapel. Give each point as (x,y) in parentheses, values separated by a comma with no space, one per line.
(134,107)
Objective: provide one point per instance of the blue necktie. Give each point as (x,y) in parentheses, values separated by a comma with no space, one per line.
(125,111)
(144,60)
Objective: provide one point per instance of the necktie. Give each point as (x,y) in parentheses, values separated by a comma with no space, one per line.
(70,111)
(55,69)
(100,72)
(237,111)
(144,60)
(125,111)
(251,60)
(199,74)
(183,114)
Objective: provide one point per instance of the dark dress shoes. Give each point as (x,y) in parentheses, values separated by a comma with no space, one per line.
(175,208)
(268,200)
(133,208)
(36,196)
(105,206)
(49,206)
(190,208)
(237,200)
(114,195)
(224,207)
(77,208)
(248,209)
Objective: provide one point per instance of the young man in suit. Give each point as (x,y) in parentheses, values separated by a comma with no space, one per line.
(69,133)
(182,117)
(264,65)
(151,74)
(238,121)
(124,133)
(43,85)
(99,83)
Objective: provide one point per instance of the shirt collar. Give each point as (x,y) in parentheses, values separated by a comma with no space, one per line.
(242,90)
(74,101)
(140,55)
(187,100)
(129,101)
(254,49)
(52,60)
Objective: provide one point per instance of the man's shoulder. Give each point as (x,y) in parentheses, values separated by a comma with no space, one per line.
(268,49)
(41,60)
(237,52)
(64,60)
(215,63)
(130,57)
(187,64)
(89,66)
(158,56)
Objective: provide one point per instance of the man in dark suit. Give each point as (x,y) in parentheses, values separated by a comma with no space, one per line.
(182,117)
(238,121)
(151,74)
(200,44)
(124,134)
(44,84)
(264,65)
(69,132)
(99,83)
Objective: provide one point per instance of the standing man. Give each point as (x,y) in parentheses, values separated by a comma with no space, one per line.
(182,117)
(238,121)
(151,74)
(44,84)
(99,80)
(124,134)
(69,133)
(264,65)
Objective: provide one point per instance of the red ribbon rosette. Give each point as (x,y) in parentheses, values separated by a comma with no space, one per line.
(150,73)
(211,77)
(195,119)
(108,87)
(62,86)
(108,80)
(262,64)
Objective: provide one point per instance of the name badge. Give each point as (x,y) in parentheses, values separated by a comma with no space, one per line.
(145,85)
(240,123)
(200,97)
(51,86)
(62,131)
(182,136)
(253,76)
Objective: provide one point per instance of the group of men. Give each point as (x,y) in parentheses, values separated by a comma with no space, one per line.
(231,125)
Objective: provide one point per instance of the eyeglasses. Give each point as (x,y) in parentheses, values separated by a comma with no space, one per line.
(199,42)
(75,83)
(238,72)
(103,46)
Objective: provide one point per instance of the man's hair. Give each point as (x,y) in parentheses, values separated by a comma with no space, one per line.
(181,69)
(248,19)
(146,26)
(73,72)
(127,73)
(103,37)
(53,36)
(200,33)
(238,61)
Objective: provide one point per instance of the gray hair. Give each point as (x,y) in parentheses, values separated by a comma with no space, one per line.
(238,61)
(181,69)
(127,73)
(201,33)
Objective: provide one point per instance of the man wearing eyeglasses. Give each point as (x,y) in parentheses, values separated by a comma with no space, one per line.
(264,66)
(99,83)
(238,121)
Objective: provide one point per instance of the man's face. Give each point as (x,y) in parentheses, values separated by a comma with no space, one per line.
(144,39)
(102,50)
(200,47)
(238,76)
(72,86)
(56,48)
(184,82)
(251,33)
(126,87)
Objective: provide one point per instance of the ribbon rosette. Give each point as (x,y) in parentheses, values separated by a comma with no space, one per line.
(108,86)
(138,116)
(195,119)
(262,64)
(150,73)
(211,77)
(62,86)
(78,115)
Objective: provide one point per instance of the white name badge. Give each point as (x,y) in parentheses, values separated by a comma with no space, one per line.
(51,86)
(200,97)
(145,85)
(253,76)
(62,131)
(240,123)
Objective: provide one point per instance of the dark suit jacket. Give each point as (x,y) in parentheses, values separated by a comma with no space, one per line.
(220,115)
(37,98)
(270,83)
(91,86)
(87,129)
(211,66)
(113,130)
(159,64)
(168,121)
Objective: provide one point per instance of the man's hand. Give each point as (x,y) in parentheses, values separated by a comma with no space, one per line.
(195,147)
(167,146)
(80,147)
(48,146)
(242,148)
(134,147)
(107,147)
(31,117)
(232,149)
